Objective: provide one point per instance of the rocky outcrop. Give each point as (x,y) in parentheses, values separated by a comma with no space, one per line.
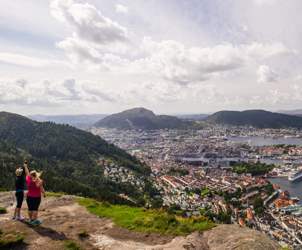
(64,220)
(239,238)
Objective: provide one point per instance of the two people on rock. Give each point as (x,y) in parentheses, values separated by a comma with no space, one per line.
(35,190)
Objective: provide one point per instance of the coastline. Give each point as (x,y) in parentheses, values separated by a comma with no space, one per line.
(294,188)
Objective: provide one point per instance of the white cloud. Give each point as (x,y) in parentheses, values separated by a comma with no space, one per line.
(265,74)
(29,61)
(21,94)
(199,58)
(158,91)
(93,44)
(266,50)
(96,40)
(185,65)
(119,8)
(47,93)
(264,2)
(82,53)
(98,93)
(171,60)
(278,97)
(89,23)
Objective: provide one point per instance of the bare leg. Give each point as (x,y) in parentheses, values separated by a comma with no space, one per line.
(16,212)
(35,215)
(30,215)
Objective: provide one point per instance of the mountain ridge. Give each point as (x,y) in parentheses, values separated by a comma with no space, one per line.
(81,121)
(140,118)
(256,118)
(295,112)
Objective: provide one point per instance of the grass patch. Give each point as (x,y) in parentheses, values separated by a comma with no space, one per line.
(147,220)
(3,210)
(53,194)
(71,245)
(10,239)
(285,248)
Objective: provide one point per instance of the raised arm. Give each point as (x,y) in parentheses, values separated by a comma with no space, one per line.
(26,168)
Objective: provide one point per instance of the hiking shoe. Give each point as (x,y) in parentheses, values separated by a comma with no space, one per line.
(21,218)
(29,222)
(36,223)
(14,218)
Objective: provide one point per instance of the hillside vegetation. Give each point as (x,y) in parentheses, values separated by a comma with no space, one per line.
(68,156)
(252,168)
(79,121)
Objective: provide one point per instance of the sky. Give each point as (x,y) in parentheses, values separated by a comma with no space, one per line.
(172,56)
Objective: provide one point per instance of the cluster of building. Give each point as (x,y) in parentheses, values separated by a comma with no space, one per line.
(120,174)
(202,177)
(286,220)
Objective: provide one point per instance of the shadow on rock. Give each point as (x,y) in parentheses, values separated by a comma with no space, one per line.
(49,232)
(21,246)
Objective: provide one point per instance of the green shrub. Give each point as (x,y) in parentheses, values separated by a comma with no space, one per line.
(71,245)
(10,239)
(3,210)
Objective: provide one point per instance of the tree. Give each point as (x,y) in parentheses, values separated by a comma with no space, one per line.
(258,205)
(224,218)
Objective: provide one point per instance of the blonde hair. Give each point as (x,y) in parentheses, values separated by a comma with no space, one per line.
(35,174)
(19,172)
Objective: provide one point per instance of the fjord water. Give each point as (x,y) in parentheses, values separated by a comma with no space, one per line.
(294,188)
(266,141)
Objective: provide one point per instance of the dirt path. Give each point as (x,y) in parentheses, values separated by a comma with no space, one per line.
(63,219)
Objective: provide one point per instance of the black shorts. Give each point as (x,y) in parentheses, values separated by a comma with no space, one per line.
(33,203)
(20,198)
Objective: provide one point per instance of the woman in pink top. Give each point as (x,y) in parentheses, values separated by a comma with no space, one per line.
(35,191)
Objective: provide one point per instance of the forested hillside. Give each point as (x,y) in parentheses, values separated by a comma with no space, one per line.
(69,157)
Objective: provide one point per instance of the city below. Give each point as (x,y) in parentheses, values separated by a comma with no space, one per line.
(230,174)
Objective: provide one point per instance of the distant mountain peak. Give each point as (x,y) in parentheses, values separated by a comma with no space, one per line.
(140,118)
(139,111)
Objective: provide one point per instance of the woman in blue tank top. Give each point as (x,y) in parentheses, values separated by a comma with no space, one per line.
(21,172)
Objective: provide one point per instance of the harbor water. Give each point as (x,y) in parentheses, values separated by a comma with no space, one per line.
(266,141)
(294,188)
